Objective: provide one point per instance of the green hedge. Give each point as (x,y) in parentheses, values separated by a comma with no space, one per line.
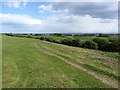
(97,43)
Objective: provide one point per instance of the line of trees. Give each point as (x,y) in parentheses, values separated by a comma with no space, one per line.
(103,44)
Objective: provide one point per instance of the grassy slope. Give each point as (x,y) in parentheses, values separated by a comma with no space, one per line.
(26,66)
(0,61)
(107,61)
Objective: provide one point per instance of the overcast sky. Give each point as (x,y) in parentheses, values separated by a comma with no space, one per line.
(59,17)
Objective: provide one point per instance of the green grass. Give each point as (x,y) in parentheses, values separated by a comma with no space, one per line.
(82,38)
(24,65)
(90,67)
(105,62)
(0,61)
(56,37)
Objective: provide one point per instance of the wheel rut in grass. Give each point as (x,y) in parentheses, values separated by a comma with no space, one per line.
(102,78)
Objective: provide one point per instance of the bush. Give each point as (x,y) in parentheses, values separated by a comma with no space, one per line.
(36,37)
(103,35)
(102,42)
(76,43)
(113,46)
(90,45)
(28,36)
(71,42)
(9,34)
(66,42)
(42,38)
(48,39)
(57,41)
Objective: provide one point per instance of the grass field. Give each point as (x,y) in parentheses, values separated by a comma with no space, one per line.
(39,64)
(82,38)
(0,61)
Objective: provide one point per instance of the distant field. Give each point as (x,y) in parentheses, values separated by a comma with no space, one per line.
(82,38)
(40,64)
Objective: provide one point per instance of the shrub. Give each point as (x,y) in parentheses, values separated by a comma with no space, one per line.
(113,46)
(90,45)
(111,40)
(28,36)
(36,37)
(76,43)
(9,34)
(57,41)
(65,41)
(71,42)
(102,42)
(42,38)
(103,35)
(48,39)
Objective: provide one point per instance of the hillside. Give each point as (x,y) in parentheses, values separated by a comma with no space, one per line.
(40,64)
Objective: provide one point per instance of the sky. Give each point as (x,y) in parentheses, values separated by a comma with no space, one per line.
(59,17)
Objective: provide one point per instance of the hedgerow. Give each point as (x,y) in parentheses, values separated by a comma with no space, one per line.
(97,43)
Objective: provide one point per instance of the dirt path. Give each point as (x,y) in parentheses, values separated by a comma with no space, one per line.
(102,78)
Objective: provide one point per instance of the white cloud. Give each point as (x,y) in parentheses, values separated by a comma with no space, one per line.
(18,23)
(18,19)
(13,4)
(50,8)
(17,4)
(99,10)
(63,0)
(58,23)
(81,24)
(46,8)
